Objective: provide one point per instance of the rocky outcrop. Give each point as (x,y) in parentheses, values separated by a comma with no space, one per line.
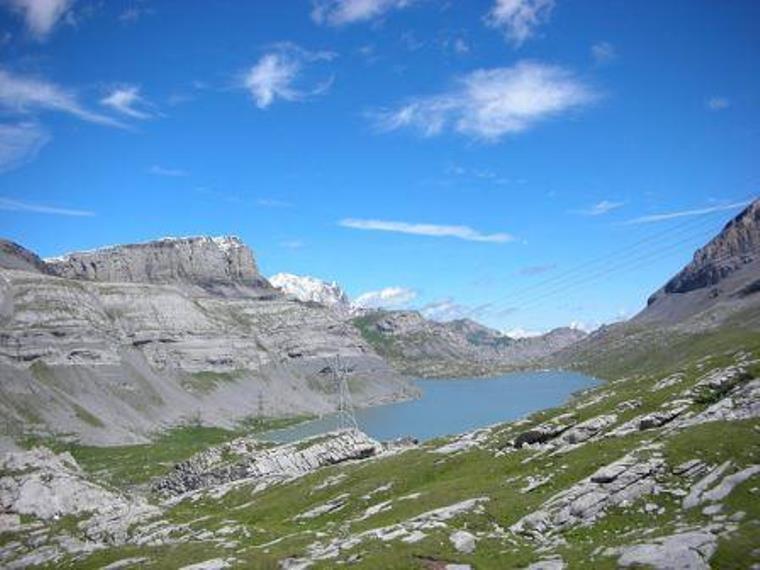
(40,484)
(246,459)
(618,483)
(14,256)
(721,277)
(735,247)
(218,264)
(683,551)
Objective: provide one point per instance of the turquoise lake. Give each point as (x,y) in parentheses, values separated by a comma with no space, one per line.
(455,405)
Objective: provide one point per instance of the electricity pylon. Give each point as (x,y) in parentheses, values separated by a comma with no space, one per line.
(346,418)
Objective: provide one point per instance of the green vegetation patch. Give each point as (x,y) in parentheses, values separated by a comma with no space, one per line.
(207,381)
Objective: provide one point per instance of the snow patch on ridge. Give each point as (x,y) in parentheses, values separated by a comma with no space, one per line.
(311,289)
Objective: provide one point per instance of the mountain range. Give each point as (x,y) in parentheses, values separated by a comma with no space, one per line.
(114,344)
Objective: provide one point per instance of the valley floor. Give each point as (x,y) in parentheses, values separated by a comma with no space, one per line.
(658,469)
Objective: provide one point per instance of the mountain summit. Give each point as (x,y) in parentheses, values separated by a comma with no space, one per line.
(721,275)
(209,262)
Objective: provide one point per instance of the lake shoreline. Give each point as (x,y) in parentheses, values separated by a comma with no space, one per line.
(456,405)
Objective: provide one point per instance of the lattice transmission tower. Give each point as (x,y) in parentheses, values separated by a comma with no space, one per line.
(346,418)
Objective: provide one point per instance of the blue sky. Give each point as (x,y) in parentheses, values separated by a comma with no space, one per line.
(528,163)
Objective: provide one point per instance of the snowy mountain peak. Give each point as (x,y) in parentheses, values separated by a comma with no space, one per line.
(305,288)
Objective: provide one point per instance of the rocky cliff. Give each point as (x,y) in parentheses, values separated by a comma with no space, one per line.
(421,347)
(218,264)
(14,256)
(117,343)
(721,277)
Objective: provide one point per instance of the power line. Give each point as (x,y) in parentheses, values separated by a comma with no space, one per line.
(642,261)
(634,253)
(613,254)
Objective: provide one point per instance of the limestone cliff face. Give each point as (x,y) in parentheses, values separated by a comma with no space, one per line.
(208,262)
(722,278)
(736,246)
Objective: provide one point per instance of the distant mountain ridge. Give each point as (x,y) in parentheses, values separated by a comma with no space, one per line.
(421,347)
(417,346)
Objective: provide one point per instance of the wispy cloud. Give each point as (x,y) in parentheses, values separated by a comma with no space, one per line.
(433,230)
(133,14)
(718,103)
(603,52)
(163,171)
(273,203)
(20,143)
(12,205)
(600,208)
(651,218)
(490,103)
(448,310)
(128,101)
(518,19)
(40,16)
(384,298)
(531,270)
(341,12)
(292,244)
(24,95)
(279,75)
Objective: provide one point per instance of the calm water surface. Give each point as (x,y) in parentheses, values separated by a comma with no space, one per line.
(455,405)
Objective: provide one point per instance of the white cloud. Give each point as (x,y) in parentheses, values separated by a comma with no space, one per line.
(127,101)
(603,52)
(23,95)
(388,297)
(292,244)
(11,205)
(162,171)
(40,16)
(601,208)
(433,230)
(518,19)
(341,12)
(20,143)
(490,103)
(718,103)
(686,213)
(278,73)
